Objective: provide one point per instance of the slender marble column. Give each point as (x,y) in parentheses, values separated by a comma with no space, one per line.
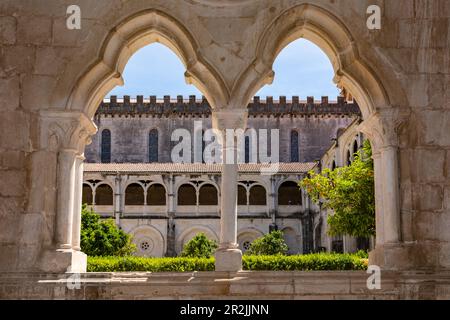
(379,222)
(65,205)
(78,195)
(228,255)
(390,186)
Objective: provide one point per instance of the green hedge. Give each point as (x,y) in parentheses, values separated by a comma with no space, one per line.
(309,262)
(130,263)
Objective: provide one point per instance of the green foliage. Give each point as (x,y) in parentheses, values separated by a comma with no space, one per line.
(102,237)
(269,244)
(131,263)
(199,247)
(363,254)
(308,262)
(349,192)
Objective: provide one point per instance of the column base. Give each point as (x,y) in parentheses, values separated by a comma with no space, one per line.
(397,256)
(64,260)
(228,260)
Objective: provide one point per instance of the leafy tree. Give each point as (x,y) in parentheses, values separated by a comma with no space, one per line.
(103,237)
(199,247)
(269,244)
(349,192)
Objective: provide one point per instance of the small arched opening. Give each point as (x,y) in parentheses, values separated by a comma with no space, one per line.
(134,195)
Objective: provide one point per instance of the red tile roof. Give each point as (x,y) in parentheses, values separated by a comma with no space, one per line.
(192,167)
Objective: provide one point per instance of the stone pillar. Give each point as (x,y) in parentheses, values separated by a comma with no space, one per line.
(117,199)
(170,248)
(390,196)
(76,228)
(66,132)
(379,221)
(273,205)
(66,193)
(228,255)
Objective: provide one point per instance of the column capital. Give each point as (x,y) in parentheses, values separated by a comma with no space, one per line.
(65,130)
(383,126)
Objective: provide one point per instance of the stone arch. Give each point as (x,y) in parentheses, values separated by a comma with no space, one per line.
(257,195)
(242,191)
(189,195)
(247,236)
(332,36)
(149,241)
(134,194)
(290,196)
(208,194)
(191,232)
(104,195)
(156,194)
(127,37)
(369,79)
(87,194)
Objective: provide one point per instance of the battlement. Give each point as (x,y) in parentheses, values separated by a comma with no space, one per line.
(193,106)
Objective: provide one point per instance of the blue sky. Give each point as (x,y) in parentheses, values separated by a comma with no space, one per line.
(301,69)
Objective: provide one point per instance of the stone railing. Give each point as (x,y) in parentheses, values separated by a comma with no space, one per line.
(257,107)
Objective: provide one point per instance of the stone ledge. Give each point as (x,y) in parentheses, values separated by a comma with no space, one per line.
(225,285)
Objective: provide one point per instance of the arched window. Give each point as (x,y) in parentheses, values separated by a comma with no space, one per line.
(294,146)
(87,194)
(333,165)
(207,195)
(241,196)
(355,147)
(106,146)
(203,146)
(104,195)
(247,149)
(156,195)
(349,158)
(289,194)
(257,196)
(187,195)
(134,195)
(153,146)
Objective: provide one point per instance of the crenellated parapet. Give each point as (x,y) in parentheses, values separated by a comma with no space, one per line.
(200,107)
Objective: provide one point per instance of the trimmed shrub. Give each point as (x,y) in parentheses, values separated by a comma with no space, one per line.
(199,247)
(362,254)
(118,264)
(269,244)
(103,237)
(308,262)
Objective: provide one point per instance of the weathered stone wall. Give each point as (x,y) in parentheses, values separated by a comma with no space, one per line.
(399,75)
(130,135)
(293,285)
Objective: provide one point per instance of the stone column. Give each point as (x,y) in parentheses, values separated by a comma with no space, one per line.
(379,221)
(78,195)
(273,205)
(170,248)
(65,204)
(117,199)
(390,196)
(228,255)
